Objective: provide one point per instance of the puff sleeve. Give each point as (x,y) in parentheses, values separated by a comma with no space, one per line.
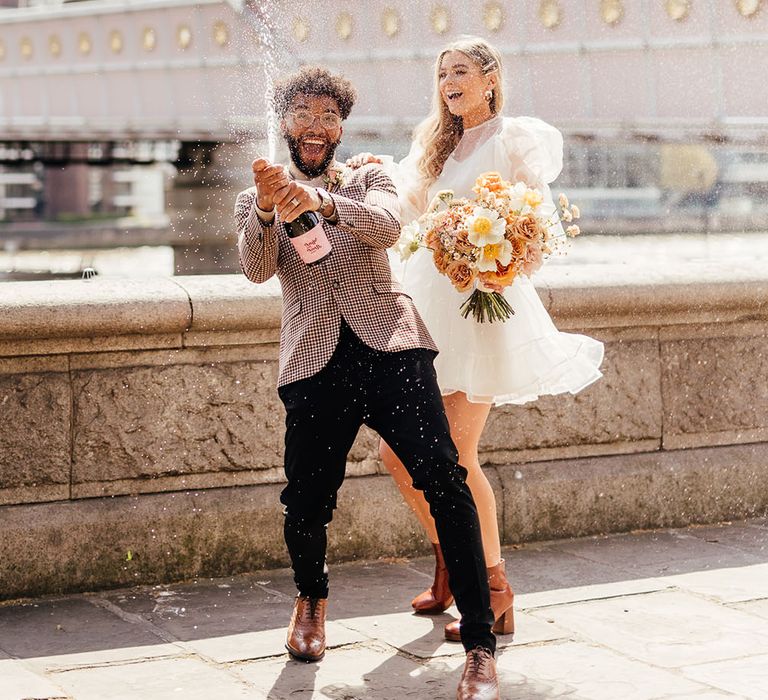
(532,149)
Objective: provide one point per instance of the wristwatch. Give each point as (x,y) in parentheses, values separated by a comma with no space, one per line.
(327,206)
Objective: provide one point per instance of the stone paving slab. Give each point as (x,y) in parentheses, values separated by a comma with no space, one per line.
(71,632)
(668,629)
(731,585)
(751,537)
(207,609)
(156,679)
(364,673)
(598,591)
(754,607)
(581,670)
(545,567)
(19,683)
(202,593)
(664,553)
(365,588)
(747,677)
(423,635)
(646,616)
(257,645)
(225,620)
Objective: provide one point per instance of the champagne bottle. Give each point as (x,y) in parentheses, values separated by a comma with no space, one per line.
(308,237)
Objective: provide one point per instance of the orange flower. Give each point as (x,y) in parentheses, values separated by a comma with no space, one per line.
(461,275)
(503,276)
(491,181)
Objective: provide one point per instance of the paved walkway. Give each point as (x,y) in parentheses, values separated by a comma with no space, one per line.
(666,614)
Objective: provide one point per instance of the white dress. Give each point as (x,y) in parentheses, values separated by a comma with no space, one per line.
(525,356)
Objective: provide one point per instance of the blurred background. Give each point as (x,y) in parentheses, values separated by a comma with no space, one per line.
(127,126)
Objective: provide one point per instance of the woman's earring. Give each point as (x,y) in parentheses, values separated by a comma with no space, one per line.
(488,95)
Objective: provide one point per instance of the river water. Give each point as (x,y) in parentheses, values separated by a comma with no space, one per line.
(632,253)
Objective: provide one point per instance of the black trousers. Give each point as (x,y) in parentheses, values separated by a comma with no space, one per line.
(396,394)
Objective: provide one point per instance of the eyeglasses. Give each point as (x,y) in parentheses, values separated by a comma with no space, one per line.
(304,118)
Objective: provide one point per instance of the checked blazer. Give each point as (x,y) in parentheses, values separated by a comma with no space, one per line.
(354,282)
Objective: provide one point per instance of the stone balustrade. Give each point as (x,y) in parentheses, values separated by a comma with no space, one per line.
(141,433)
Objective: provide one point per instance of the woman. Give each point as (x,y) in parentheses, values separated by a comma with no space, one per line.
(481,364)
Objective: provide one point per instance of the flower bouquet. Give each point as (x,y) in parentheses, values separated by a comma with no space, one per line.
(485,241)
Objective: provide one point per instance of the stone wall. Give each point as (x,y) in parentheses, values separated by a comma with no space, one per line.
(141,433)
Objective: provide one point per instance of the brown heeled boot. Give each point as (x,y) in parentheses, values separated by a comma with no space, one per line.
(502,598)
(438,596)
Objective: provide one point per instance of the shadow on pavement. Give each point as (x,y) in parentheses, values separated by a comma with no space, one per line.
(262,602)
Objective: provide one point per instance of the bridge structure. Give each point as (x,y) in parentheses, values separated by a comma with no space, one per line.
(105,84)
(113,71)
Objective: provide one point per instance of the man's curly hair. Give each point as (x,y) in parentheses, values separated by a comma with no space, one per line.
(314,80)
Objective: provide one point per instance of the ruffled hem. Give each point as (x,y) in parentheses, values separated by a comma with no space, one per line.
(572,374)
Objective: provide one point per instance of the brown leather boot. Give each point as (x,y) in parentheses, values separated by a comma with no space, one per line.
(438,596)
(479,680)
(502,598)
(306,631)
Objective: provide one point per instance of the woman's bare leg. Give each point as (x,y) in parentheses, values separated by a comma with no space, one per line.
(415,499)
(467,421)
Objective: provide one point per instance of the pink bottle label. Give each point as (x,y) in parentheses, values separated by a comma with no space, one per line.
(312,245)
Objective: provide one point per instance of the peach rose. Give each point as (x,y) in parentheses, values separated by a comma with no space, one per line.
(461,275)
(491,181)
(432,240)
(525,227)
(464,247)
(533,260)
(462,234)
(442,259)
(518,248)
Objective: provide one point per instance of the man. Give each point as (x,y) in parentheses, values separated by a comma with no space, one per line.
(353,351)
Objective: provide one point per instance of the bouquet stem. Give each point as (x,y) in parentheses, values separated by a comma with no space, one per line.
(487,306)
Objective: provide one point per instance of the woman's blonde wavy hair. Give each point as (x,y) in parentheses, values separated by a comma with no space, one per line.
(441,131)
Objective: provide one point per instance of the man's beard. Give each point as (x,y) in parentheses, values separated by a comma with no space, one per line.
(310,170)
